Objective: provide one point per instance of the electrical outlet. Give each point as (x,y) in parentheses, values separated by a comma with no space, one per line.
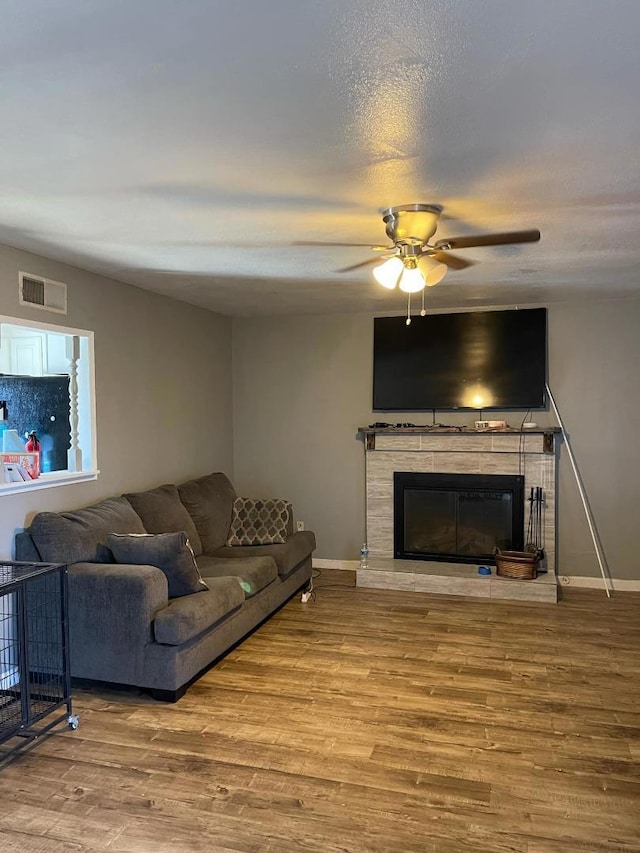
(299,525)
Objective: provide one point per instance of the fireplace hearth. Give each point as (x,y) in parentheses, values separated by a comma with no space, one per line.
(457,517)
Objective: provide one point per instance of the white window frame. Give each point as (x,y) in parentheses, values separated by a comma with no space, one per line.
(89,469)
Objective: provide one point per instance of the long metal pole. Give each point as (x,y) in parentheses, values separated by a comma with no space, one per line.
(587,510)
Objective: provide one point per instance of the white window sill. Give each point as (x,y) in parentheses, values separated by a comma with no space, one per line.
(48,481)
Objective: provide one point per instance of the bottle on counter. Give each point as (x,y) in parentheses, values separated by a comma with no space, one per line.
(33,446)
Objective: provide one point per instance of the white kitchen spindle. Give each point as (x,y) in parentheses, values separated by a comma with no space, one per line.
(74,454)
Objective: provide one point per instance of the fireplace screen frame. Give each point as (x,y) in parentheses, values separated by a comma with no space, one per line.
(493,483)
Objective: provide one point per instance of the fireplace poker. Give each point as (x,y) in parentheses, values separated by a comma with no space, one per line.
(539,541)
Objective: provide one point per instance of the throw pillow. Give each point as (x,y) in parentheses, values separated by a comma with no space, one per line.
(169,552)
(259,522)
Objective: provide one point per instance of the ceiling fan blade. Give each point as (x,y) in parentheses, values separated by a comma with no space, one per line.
(453,261)
(531,236)
(363,245)
(366,263)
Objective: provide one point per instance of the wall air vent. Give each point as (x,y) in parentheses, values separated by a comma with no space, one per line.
(42,293)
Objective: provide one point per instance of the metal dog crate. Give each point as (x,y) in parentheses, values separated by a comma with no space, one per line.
(35,681)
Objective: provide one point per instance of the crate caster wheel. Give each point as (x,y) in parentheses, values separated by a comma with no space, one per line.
(73,721)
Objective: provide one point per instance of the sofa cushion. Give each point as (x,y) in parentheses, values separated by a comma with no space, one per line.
(296,549)
(162,511)
(81,536)
(209,501)
(252,573)
(170,552)
(257,521)
(186,617)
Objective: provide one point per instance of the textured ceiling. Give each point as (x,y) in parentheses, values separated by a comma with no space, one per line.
(183,146)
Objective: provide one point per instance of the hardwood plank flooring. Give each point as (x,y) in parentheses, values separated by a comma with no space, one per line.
(367,720)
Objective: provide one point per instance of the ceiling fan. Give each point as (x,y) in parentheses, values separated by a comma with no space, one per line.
(412,262)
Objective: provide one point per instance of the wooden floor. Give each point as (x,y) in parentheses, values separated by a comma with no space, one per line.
(368,720)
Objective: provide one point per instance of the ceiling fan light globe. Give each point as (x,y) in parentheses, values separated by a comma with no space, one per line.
(412,281)
(388,273)
(433,271)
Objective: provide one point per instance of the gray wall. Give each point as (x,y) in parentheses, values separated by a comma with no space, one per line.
(163,387)
(594,363)
(302,386)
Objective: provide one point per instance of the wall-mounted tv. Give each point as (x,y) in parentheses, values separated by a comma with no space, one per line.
(475,360)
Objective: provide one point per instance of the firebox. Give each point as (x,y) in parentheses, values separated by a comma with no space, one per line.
(457,517)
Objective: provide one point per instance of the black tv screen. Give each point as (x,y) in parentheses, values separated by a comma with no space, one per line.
(475,360)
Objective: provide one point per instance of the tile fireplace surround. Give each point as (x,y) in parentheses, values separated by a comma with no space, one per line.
(532,453)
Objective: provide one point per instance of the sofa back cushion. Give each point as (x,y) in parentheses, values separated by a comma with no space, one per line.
(81,536)
(209,501)
(162,511)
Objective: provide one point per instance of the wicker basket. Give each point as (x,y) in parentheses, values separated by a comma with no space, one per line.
(521,565)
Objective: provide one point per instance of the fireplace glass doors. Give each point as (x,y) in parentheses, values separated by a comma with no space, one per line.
(457,517)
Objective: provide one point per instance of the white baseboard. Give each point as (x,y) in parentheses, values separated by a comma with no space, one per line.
(343,565)
(617,584)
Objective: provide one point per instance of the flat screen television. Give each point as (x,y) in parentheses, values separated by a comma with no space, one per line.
(474,360)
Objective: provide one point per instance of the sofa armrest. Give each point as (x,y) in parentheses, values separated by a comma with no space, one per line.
(111,613)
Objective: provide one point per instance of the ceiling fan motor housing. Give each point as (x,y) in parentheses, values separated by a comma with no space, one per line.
(413,224)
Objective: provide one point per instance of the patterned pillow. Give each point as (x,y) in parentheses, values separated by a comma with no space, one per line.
(259,522)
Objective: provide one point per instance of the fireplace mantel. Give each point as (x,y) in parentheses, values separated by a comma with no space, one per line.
(370,433)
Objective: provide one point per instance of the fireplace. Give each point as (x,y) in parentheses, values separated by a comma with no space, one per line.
(456,517)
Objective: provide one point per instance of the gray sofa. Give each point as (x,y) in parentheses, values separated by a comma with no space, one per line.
(124,627)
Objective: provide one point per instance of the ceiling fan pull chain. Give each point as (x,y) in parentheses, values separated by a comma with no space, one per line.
(409,309)
(422,311)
